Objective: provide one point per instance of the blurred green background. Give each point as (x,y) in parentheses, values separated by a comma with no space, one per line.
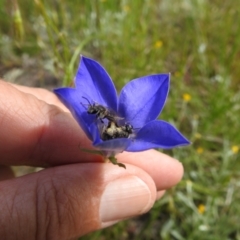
(198,42)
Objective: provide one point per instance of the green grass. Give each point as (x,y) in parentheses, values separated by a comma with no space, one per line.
(199,43)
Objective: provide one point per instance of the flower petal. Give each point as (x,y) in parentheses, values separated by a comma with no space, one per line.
(142,99)
(157,134)
(114,146)
(70,97)
(93,82)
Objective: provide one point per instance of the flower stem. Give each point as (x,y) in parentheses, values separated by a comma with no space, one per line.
(114,161)
(92,151)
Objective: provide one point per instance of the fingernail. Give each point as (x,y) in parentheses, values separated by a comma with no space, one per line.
(123,198)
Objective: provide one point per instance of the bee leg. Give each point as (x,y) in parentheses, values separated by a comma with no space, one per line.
(114,161)
(97,117)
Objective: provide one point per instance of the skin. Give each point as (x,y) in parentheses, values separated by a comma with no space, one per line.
(77,192)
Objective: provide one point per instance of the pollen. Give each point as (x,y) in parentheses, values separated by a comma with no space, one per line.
(235,149)
(200,150)
(201,208)
(186,97)
(158,44)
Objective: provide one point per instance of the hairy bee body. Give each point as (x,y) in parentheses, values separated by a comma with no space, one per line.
(113,131)
(109,129)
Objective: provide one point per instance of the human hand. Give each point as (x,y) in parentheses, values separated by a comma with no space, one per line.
(77,193)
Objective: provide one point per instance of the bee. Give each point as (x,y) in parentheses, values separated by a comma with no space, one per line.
(101,112)
(128,128)
(113,131)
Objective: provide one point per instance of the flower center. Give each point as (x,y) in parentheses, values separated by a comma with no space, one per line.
(109,129)
(113,131)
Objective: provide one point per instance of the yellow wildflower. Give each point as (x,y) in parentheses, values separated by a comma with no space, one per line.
(126,8)
(186,97)
(158,44)
(177,74)
(199,150)
(235,149)
(201,208)
(198,135)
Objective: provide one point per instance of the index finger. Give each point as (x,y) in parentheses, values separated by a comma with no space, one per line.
(42,94)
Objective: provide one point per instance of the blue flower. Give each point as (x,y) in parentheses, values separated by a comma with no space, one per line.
(139,104)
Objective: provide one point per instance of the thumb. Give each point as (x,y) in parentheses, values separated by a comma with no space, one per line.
(69,201)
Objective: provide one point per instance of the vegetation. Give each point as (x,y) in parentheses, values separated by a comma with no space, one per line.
(197,41)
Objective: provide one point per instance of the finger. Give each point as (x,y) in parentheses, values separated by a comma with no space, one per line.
(36,133)
(42,94)
(69,201)
(6,173)
(165,170)
(160,194)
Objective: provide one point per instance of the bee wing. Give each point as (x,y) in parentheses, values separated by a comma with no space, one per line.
(112,116)
(101,127)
